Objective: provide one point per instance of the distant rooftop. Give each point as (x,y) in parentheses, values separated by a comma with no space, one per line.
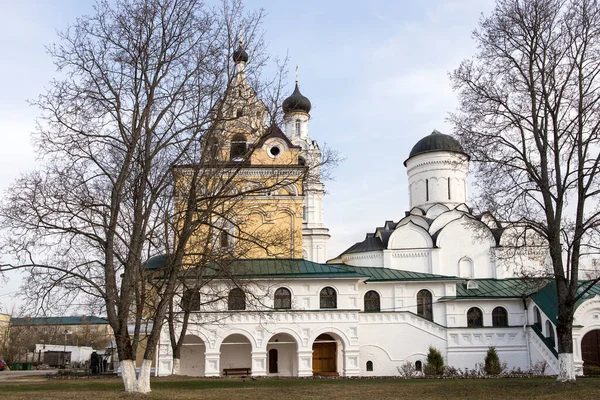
(71,320)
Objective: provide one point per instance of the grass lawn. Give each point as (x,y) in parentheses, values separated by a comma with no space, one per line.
(173,388)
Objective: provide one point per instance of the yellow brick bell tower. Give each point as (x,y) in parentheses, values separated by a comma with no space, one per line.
(256,173)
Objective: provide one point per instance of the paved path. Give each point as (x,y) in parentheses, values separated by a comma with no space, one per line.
(18,375)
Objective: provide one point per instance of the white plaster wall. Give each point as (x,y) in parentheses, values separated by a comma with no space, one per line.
(390,344)
(437,168)
(192,359)
(402,296)
(236,352)
(287,354)
(462,238)
(367,259)
(410,236)
(456,311)
(415,260)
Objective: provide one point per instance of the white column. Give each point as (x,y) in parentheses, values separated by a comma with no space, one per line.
(212,361)
(259,363)
(351,360)
(305,362)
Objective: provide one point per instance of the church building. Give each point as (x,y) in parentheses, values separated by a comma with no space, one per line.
(438,277)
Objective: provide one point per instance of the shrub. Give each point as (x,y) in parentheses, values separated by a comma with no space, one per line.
(407,370)
(539,368)
(492,362)
(435,362)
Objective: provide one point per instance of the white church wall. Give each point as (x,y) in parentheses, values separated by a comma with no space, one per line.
(389,340)
(415,260)
(192,359)
(468,347)
(366,259)
(410,236)
(462,239)
(456,311)
(286,347)
(428,176)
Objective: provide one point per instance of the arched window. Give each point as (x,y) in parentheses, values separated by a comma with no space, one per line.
(226,235)
(238,149)
(550,333)
(425,304)
(499,317)
(465,268)
(537,318)
(369,366)
(328,297)
(418,366)
(372,302)
(236,299)
(190,301)
(474,318)
(297,127)
(239,113)
(223,239)
(283,299)
(212,149)
(426,189)
(301,161)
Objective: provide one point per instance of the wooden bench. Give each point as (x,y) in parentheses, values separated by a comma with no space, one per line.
(236,371)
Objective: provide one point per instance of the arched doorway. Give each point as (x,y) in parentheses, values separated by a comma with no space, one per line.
(236,352)
(192,356)
(325,355)
(590,352)
(282,355)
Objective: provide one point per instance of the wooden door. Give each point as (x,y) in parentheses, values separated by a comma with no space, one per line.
(590,349)
(324,357)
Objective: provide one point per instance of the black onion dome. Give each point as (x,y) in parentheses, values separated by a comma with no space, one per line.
(437,141)
(240,55)
(296,102)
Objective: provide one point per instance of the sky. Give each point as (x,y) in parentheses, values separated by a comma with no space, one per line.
(375,71)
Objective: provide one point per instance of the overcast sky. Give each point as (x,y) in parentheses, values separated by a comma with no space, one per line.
(375,71)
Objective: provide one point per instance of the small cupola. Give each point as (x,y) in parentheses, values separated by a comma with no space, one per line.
(436,141)
(240,55)
(297,102)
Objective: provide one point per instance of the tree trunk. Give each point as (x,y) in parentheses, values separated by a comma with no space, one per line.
(128,375)
(564,332)
(136,383)
(143,380)
(176,366)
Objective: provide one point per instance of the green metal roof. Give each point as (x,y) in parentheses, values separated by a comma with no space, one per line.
(547,298)
(74,320)
(378,274)
(278,268)
(499,288)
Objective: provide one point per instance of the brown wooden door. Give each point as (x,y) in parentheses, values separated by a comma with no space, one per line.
(324,357)
(590,349)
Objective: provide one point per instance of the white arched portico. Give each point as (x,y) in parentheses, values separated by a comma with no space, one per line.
(192,356)
(237,351)
(332,353)
(282,355)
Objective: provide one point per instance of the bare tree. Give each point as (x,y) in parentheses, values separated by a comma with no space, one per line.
(529,117)
(138,87)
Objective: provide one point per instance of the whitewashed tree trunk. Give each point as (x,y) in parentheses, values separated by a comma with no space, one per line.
(143,380)
(133,383)
(566,367)
(176,366)
(128,375)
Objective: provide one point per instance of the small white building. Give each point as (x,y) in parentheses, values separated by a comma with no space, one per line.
(433,278)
